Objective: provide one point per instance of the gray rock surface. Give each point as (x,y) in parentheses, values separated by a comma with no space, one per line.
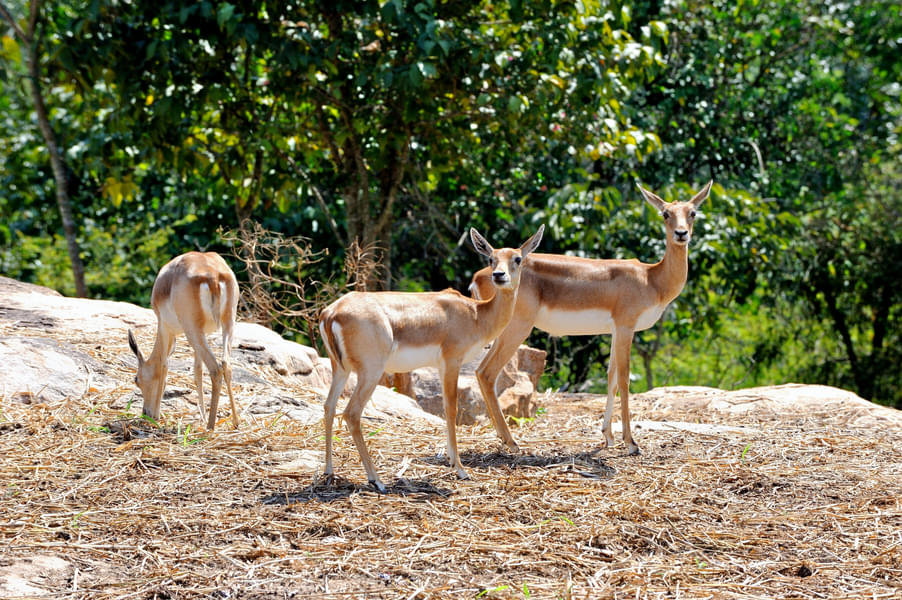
(53,348)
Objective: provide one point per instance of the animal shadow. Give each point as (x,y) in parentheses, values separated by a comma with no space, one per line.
(585,464)
(134,428)
(330,489)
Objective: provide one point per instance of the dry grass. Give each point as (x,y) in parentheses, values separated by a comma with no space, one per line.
(791,509)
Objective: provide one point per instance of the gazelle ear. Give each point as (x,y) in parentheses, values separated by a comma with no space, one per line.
(532,243)
(482,246)
(700,197)
(133,344)
(652,198)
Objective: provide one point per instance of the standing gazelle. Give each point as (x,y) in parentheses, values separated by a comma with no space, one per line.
(568,295)
(195,293)
(372,333)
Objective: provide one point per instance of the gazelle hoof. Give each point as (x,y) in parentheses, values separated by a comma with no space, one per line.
(379,486)
(513,448)
(634,450)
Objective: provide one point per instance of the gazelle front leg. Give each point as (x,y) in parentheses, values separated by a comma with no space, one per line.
(366,385)
(490,368)
(199,384)
(449,374)
(609,406)
(198,341)
(166,341)
(619,381)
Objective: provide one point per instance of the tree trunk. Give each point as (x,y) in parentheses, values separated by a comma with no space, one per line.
(56,160)
(649,352)
(649,376)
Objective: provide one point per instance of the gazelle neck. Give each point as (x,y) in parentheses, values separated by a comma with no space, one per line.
(497,310)
(670,274)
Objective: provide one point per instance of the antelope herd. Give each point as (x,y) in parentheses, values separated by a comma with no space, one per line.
(373,333)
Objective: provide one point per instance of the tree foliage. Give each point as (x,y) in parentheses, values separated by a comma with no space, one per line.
(399,124)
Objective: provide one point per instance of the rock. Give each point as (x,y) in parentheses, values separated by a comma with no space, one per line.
(428,389)
(399,382)
(517,397)
(42,369)
(782,402)
(297,462)
(261,346)
(34,576)
(53,347)
(516,386)
(29,306)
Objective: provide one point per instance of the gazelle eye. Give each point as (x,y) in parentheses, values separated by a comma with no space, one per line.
(518,260)
(665,214)
(691,214)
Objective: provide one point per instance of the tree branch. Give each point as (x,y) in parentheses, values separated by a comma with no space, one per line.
(316,192)
(7,16)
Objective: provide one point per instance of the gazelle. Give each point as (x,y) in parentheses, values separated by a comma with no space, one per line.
(195,293)
(372,333)
(568,295)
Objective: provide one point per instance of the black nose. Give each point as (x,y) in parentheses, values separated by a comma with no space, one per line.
(681,234)
(499,276)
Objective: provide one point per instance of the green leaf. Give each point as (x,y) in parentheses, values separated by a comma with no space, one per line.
(225,14)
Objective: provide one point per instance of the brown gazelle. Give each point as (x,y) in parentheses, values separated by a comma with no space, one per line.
(372,333)
(567,295)
(195,293)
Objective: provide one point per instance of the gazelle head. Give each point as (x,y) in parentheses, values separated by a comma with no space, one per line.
(678,216)
(149,380)
(506,262)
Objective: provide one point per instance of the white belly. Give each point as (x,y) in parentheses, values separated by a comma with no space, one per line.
(574,322)
(405,359)
(590,321)
(649,317)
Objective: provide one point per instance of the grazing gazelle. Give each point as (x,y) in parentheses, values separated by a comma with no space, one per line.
(372,333)
(568,295)
(195,293)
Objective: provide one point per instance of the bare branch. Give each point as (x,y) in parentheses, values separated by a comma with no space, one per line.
(279,291)
(7,16)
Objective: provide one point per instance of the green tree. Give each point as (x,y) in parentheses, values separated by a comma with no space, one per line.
(31,49)
(796,103)
(345,105)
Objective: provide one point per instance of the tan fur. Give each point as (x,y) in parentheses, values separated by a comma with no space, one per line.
(552,285)
(369,332)
(178,304)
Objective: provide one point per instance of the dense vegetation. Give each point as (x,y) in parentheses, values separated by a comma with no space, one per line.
(130,132)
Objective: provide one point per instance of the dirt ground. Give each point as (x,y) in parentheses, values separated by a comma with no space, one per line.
(97,504)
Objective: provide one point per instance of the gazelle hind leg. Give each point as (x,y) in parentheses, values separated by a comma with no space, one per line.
(339,379)
(449,374)
(227,372)
(366,385)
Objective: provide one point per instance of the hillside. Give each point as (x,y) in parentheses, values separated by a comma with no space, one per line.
(791,491)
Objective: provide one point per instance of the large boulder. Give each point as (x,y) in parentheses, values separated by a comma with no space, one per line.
(780,403)
(258,345)
(53,348)
(47,370)
(516,387)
